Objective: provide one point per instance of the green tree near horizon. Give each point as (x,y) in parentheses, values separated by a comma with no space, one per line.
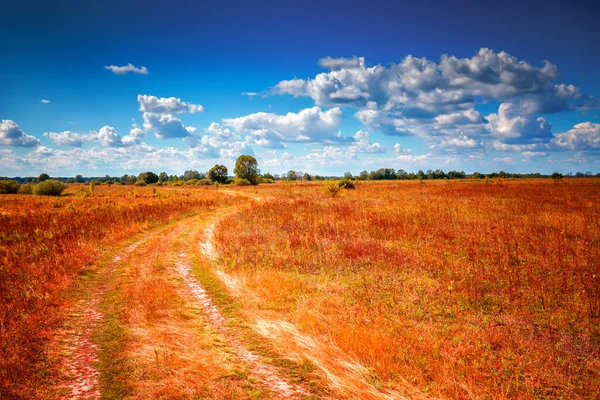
(148,177)
(43,177)
(246,167)
(218,173)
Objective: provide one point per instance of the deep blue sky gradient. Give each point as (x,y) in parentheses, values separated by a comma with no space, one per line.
(209,52)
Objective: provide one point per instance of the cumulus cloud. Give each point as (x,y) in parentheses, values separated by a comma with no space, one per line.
(363,144)
(126,69)
(512,125)
(136,134)
(12,135)
(166,126)
(436,100)
(45,101)
(166,105)
(469,116)
(583,136)
(459,142)
(311,125)
(67,138)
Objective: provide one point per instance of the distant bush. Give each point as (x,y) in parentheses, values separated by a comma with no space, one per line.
(191,182)
(9,187)
(346,184)
(26,188)
(177,183)
(229,181)
(140,183)
(50,187)
(205,182)
(331,189)
(557,176)
(241,182)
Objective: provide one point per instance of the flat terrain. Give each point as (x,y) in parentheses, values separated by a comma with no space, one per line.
(441,289)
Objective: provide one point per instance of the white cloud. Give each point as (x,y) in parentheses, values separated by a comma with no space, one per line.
(165,126)
(311,125)
(530,154)
(469,116)
(126,69)
(250,95)
(166,105)
(513,125)
(436,100)
(459,142)
(335,64)
(583,136)
(363,144)
(109,137)
(12,135)
(44,101)
(294,87)
(136,134)
(67,138)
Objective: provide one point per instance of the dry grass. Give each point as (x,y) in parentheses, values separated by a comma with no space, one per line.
(444,289)
(47,244)
(171,350)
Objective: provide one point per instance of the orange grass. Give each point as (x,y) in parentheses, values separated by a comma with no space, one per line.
(445,289)
(171,350)
(46,243)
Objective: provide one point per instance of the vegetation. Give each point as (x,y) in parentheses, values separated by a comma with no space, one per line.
(9,187)
(148,177)
(50,187)
(246,167)
(443,290)
(47,245)
(218,173)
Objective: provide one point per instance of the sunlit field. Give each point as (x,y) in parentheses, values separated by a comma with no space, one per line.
(405,289)
(48,243)
(444,289)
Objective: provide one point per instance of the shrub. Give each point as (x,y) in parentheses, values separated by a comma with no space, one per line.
(192,182)
(140,183)
(26,188)
(241,182)
(346,184)
(331,189)
(205,182)
(50,187)
(9,187)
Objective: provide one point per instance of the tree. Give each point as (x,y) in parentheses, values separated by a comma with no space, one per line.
(291,175)
(43,177)
(306,177)
(163,177)
(246,167)
(191,174)
(348,176)
(556,176)
(78,178)
(148,177)
(218,173)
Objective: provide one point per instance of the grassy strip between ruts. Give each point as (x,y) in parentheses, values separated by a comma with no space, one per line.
(300,372)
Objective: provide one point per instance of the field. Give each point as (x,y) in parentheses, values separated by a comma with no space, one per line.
(441,289)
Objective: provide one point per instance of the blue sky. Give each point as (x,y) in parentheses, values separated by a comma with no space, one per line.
(322,87)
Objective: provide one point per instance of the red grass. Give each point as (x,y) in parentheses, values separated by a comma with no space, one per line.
(46,243)
(457,289)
